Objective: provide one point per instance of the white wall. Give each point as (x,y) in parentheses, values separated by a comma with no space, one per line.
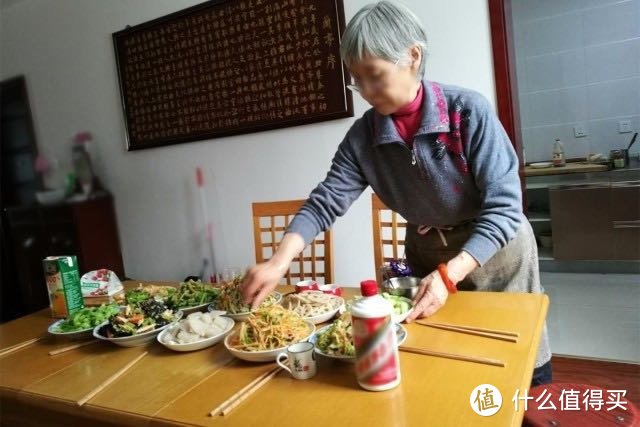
(578,64)
(64,49)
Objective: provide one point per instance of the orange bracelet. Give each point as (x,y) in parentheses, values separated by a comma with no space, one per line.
(451,287)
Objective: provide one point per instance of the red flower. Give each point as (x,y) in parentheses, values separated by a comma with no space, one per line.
(82,137)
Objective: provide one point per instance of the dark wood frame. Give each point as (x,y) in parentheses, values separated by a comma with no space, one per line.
(217,133)
(19,83)
(505,76)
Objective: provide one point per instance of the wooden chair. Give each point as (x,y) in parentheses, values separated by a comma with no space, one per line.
(389,230)
(270,220)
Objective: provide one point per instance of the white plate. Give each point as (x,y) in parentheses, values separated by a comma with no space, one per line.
(262,356)
(324,317)
(239,317)
(134,340)
(204,343)
(541,165)
(401,335)
(201,307)
(73,335)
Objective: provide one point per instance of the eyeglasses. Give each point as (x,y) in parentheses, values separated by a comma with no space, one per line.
(376,84)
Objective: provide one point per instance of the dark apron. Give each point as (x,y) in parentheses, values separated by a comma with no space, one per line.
(514,268)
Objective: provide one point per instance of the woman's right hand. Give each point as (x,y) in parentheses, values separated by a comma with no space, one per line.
(260,280)
(432,295)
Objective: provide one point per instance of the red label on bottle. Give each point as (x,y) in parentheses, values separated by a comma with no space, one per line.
(376,357)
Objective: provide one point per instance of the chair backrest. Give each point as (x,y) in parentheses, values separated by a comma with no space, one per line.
(270,220)
(389,230)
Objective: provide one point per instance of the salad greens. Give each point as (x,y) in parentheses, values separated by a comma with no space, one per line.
(87,318)
(132,320)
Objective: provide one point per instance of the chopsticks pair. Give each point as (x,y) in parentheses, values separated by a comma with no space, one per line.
(18,346)
(71,347)
(110,380)
(237,398)
(454,356)
(60,350)
(473,330)
(470,330)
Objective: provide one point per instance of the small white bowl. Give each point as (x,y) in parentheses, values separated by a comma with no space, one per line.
(262,356)
(199,345)
(541,165)
(134,340)
(50,197)
(399,318)
(306,285)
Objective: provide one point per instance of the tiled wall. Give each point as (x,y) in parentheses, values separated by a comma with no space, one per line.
(578,64)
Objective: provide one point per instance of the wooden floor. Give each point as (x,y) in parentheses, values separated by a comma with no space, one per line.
(606,375)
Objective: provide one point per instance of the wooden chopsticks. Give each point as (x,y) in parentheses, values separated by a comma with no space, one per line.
(18,346)
(71,347)
(109,380)
(237,398)
(473,359)
(472,330)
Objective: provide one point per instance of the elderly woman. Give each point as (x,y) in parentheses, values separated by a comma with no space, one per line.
(434,153)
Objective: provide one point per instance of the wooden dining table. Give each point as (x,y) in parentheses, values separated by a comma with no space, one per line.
(168,388)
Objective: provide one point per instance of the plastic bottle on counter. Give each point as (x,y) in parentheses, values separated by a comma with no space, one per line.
(558,153)
(374,337)
(82,166)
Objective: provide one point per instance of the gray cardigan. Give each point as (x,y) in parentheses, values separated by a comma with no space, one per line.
(461,167)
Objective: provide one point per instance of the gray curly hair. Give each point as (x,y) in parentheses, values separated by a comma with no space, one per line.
(385,30)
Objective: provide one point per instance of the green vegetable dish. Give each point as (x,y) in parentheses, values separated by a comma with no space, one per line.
(337,339)
(188,294)
(87,318)
(400,304)
(192,293)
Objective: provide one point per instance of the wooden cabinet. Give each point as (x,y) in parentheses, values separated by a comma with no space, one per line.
(86,229)
(596,222)
(624,205)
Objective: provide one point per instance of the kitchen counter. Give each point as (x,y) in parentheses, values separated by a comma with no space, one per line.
(578,176)
(577,167)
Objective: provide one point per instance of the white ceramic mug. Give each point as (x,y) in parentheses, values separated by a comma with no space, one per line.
(300,360)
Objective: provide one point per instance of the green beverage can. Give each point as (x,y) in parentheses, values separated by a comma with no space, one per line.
(63,284)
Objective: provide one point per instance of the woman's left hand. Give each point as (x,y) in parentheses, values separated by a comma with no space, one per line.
(432,294)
